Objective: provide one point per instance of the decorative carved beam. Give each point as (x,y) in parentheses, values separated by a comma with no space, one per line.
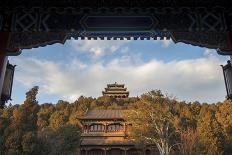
(39,26)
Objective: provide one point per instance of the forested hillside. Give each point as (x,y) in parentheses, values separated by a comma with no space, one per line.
(34,128)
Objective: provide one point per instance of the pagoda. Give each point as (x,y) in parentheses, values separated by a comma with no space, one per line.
(116,91)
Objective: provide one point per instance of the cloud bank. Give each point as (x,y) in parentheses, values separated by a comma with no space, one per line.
(192,79)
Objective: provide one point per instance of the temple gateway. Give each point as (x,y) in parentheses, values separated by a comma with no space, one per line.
(105,132)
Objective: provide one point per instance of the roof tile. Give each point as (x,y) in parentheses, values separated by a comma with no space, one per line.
(103,114)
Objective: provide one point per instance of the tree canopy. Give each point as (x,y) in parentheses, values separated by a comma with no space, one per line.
(156,119)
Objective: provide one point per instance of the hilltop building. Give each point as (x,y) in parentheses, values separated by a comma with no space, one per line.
(105,132)
(116,91)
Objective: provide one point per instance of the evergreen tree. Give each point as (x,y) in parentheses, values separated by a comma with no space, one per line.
(23,122)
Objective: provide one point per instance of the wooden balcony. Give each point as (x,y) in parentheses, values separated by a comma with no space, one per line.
(104,134)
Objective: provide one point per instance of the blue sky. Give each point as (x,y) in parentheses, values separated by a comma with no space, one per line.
(84,67)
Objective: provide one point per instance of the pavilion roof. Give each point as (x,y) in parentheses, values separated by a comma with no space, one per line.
(103,114)
(115,92)
(115,85)
(115,88)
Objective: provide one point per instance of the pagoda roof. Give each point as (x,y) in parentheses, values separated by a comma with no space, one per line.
(116,88)
(115,92)
(115,85)
(102,114)
(99,141)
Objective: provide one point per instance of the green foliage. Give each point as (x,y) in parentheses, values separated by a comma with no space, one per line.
(62,141)
(54,129)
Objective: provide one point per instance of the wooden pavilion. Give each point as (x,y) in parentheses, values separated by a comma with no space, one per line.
(105,132)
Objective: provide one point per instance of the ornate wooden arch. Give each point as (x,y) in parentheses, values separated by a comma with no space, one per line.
(38,23)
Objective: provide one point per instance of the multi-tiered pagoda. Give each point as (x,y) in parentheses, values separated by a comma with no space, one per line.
(116,91)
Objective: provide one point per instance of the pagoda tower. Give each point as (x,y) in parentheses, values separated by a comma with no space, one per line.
(116,91)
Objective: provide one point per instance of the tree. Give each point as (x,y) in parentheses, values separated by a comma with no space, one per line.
(62,141)
(157,120)
(224,117)
(151,120)
(23,121)
(105,101)
(44,114)
(30,143)
(189,141)
(210,133)
(67,138)
(57,120)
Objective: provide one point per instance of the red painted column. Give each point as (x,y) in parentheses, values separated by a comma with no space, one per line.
(105,128)
(125,152)
(88,128)
(79,151)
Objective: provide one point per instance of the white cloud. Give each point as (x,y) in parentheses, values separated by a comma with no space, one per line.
(194,79)
(98,47)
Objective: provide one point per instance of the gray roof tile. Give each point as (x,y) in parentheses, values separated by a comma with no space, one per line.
(103,114)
